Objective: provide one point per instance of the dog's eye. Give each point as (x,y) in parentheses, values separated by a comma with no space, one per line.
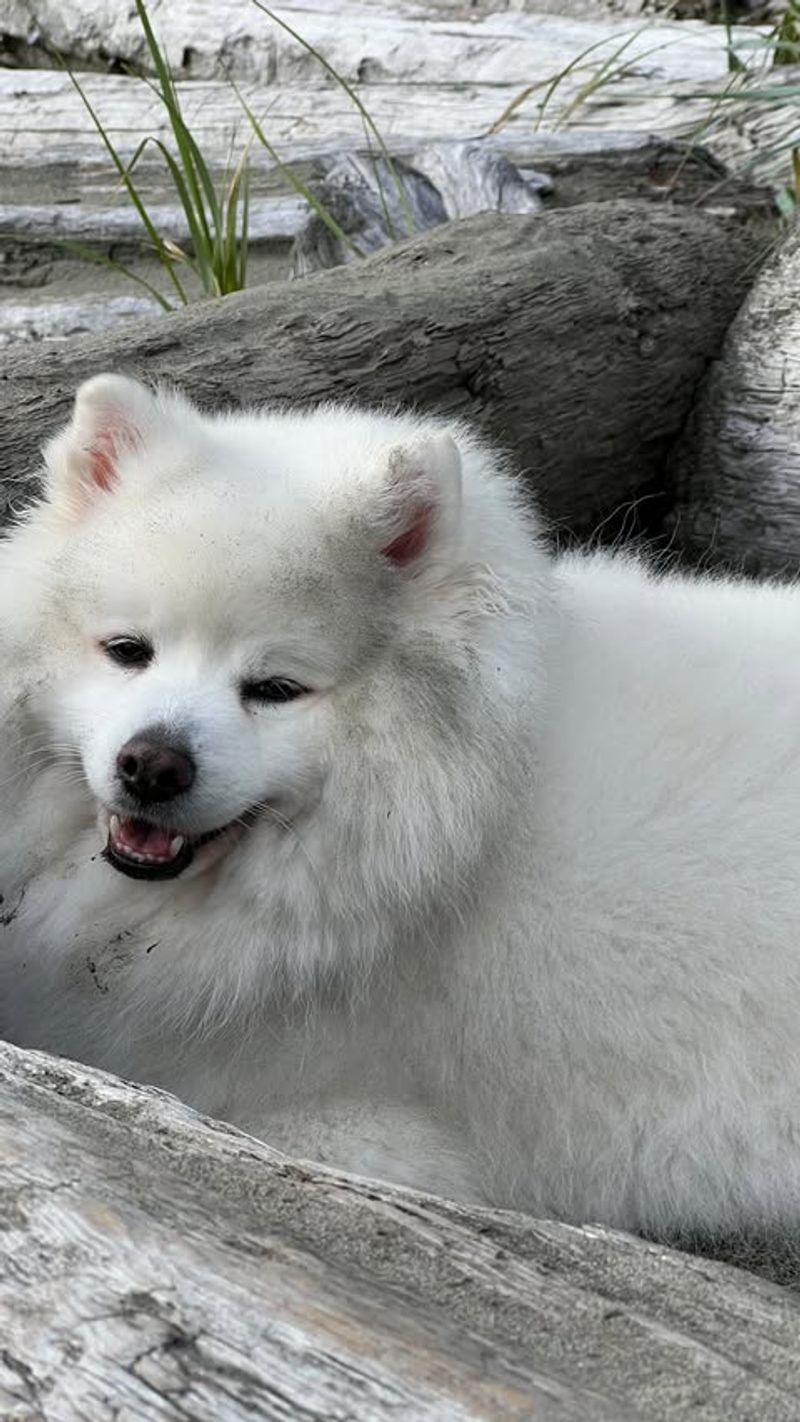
(128,651)
(274,690)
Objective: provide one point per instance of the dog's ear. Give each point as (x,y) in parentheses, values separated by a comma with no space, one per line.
(421,504)
(110,419)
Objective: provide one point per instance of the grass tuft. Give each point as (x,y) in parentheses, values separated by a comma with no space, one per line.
(371,130)
(217,218)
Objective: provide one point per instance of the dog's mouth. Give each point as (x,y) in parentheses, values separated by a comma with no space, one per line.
(147,851)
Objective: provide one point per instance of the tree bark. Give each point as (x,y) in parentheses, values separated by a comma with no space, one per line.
(737,470)
(575,339)
(156,1265)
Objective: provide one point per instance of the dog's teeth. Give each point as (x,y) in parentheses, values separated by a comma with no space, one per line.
(113,825)
(176,845)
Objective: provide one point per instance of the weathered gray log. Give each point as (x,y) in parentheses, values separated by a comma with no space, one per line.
(425,72)
(157,1266)
(47,291)
(376,43)
(669,91)
(580,166)
(586,166)
(373,201)
(576,339)
(737,472)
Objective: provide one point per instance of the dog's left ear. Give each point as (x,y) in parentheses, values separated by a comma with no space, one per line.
(111,419)
(421,496)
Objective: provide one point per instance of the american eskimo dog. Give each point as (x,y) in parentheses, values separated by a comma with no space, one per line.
(336,805)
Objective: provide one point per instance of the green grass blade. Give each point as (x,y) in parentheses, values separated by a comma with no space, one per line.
(244,241)
(766,156)
(575,66)
(218,225)
(772,94)
(235,222)
(131,189)
(608,73)
(100,259)
(200,260)
(196,174)
(206,213)
(516,103)
(194,167)
(375,161)
(735,65)
(88,254)
(787,36)
(354,99)
(579,62)
(296,182)
(198,178)
(168,90)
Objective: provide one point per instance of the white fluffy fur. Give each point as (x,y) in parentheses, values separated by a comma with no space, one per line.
(520,921)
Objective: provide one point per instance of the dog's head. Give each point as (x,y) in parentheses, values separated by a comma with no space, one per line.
(250,621)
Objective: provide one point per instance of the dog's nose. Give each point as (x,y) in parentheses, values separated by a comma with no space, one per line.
(152,768)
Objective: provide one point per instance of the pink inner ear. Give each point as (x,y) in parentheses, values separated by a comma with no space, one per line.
(101,460)
(410,543)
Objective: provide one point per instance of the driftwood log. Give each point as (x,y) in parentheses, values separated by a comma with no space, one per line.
(737,471)
(159,1266)
(421,74)
(425,72)
(576,339)
(48,291)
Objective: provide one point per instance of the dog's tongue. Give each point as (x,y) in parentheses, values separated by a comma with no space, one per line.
(143,838)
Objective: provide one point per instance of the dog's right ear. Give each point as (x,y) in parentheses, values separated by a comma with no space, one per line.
(110,420)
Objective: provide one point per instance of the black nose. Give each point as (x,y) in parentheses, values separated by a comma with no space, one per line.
(152,768)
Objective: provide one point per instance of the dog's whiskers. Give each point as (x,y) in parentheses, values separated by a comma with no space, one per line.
(265,809)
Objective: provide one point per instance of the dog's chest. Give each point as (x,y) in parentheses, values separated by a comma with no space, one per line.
(72,938)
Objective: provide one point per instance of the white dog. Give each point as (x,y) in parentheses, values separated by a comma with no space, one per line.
(335,805)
